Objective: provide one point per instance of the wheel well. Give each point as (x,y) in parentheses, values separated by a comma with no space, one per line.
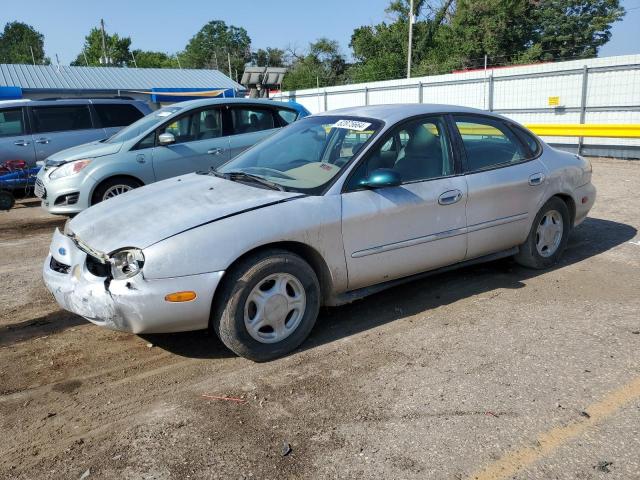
(308,254)
(568,200)
(103,181)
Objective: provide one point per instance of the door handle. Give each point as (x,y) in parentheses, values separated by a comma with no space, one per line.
(536,179)
(140,158)
(215,151)
(21,143)
(450,197)
(42,140)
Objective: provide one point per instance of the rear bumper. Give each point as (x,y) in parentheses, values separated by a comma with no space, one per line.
(135,305)
(584,198)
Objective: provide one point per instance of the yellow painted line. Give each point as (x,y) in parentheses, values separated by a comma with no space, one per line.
(514,461)
(613,130)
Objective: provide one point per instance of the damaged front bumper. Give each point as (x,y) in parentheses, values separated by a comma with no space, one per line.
(134,305)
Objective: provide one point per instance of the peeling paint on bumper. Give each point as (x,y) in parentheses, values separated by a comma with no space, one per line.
(134,305)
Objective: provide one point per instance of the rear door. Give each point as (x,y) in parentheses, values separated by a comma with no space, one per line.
(15,140)
(114,116)
(199,146)
(506,183)
(249,124)
(56,127)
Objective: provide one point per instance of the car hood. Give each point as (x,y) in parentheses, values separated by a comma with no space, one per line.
(87,150)
(150,214)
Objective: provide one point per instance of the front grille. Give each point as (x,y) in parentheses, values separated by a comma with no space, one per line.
(59,267)
(39,189)
(69,199)
(97,268)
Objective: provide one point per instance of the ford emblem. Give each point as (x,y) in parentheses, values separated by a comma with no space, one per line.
(62,251)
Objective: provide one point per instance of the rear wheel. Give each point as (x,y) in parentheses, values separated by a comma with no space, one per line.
(267,305)
(548,236)
(112,188)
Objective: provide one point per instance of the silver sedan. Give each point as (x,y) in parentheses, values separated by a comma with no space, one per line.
(328,210)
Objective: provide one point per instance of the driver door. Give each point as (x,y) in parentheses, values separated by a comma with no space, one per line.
(199,144)
(397,231)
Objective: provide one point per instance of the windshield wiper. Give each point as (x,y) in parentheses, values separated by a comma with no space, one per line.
(237,175)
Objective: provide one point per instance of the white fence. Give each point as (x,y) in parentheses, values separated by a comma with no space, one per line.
(591,91)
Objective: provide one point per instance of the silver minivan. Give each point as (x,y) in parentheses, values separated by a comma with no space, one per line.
(191,136)
(34,130)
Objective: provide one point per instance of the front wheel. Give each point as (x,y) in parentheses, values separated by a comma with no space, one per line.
(112,188)
(548,236)
(267,305)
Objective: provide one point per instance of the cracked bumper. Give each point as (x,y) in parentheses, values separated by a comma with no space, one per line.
(134,305)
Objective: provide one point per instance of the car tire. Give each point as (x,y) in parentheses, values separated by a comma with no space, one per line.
(274,288)
(109,187)
(7,200)
(548,236)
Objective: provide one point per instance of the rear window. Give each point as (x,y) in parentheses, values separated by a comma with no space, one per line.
(11,122)
(251,119)
(117,115)
(60,119)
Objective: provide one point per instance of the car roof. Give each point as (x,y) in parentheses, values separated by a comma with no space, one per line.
(227,101)
(398,111)
(65,101)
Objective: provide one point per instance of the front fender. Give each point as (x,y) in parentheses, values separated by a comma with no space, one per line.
(312,221)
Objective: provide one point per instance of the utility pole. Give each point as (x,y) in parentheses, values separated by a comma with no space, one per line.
(229,60)
(411,20)
(33,58)
(215,59)
(104,43)
(134,60)
(84,53)
(178,58)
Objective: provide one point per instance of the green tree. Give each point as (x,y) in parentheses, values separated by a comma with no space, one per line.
(210,47)
(323,64)
(269,57)
(380,52)
(16,41)
(573,28)
(501,29)
(150,59)
(117,50)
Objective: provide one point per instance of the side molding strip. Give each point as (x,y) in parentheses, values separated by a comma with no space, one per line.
(439,236)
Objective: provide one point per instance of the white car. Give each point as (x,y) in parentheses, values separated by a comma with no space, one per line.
(332,208)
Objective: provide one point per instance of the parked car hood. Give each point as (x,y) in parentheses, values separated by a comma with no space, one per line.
(87,150)
(147,215)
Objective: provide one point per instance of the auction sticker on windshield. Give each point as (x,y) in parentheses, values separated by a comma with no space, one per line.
(351,125)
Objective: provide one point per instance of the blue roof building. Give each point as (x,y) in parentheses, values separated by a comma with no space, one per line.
(160,85)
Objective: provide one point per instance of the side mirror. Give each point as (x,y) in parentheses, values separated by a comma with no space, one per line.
(382,177)
(166,139)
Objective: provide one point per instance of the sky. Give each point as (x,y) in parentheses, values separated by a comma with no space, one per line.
(168,26)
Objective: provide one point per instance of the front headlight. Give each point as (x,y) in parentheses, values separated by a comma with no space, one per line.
(126,263)
(68,169)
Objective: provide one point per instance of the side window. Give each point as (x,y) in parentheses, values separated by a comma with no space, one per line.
(488,143)
(182,128)
(418,150)
(11,122)
(287,116)
(60,119)
(117,115)
(251,119)
(208,124)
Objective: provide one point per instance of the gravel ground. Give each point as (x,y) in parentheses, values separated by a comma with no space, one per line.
(489,372)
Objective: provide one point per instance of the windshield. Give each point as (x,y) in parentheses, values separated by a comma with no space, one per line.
(307,154)
(142,125)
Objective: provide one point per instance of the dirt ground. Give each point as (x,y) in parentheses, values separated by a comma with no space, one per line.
(489,372)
